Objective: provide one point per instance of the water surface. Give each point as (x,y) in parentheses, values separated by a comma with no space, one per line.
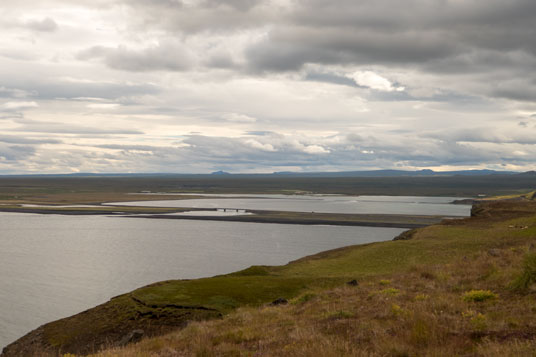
(53,266)
(411,205)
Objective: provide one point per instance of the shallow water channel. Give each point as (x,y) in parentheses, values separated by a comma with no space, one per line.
(410,205)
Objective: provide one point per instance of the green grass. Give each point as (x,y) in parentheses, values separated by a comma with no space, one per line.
(225,293)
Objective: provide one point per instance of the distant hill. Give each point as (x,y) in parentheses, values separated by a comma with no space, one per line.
(220,173)
(395,173)
(373,173)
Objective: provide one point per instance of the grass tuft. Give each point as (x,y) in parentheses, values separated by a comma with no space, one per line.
(479,296)
(420,333)
(479,322)
(528,276)
(304,298)
(390,291)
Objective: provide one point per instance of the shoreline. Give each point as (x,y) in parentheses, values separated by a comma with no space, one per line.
(257,216)
(272,220)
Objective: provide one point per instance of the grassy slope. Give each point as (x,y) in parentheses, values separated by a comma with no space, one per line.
(409,300)
(162,307)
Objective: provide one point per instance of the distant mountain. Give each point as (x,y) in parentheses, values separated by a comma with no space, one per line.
(528,173)
(373,173)
(395,173)
(220,173)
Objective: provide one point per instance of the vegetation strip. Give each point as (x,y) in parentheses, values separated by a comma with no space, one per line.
(387,221)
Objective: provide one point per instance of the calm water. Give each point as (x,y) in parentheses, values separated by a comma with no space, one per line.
(324,204)
(55,266)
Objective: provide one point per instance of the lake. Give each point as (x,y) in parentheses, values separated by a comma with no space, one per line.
(54,266)
(410,205)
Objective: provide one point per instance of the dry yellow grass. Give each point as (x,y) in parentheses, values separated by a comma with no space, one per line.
(427,317)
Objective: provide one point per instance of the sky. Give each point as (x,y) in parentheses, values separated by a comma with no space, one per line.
(195,86)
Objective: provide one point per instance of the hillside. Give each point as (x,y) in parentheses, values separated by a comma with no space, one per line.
(411,296)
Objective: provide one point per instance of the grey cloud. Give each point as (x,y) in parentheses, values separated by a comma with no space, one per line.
(131,147)
(521,89)
(46,88)
(45,25)
(11,116)
(15,152)
(18,55)
(481,38)
(259,133)
(201,16)
(494,39)
(327,77)
(394,32)
(13,93)
(199,153)
(16,106)
(242,5)
(168,56)
(267,152)
(452,57)
(61,128)
(486,135)
(14,110)
(291,47)
(221,60)
(11,139)
(372,152)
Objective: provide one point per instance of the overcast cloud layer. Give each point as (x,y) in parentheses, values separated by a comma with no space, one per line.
(194,86)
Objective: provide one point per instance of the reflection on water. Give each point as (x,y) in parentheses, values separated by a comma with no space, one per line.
(54,266)
(213,213)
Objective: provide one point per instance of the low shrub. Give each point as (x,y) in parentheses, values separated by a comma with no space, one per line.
(479,295)
(396,310)
(390,291)
(421,297)
(528,274)
(479,322)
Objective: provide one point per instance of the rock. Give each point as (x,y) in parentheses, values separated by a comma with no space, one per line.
(407,235)
(353,283)
(480,210)
(279,301)
(133,336)
(494,252)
